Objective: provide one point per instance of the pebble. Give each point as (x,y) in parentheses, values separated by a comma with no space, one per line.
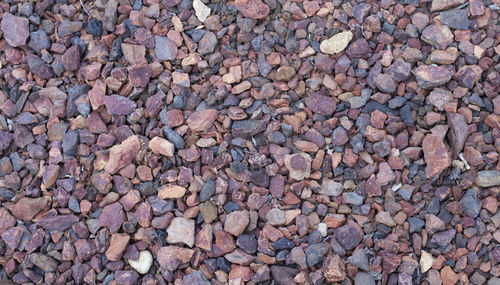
(143,263)
(336,43)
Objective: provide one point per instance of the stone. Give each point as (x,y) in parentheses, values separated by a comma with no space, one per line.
(139,74)
(298,165)
(117,245)
(6,220)
(208,42)
(109,19)
(359,49)
(201,10)
(336,43)
(436,155)
(488,178)
(207,191)
(276,217)
(440,5)
(15,29)
(208,211)
(448,276)
(122,154)
(71,58)
(426,261)
(119,105)
(471,203)
(430,76)
(165,48)
(444,238)
(12,237)
(359,258)
(161,146)
(112,217)
(126,277)
(447,56)
(331,188)
(476,7)
(349,235)
(38,67)
(171,191)
(315,252)
(253,9)
(457,133)
(143,263)
(27,208)
(334,269)
(50,176)
(321,104)
(57,223)
(364,278)
(236,222)
(384,217)
(39,40)
(439,98)
(467,76)
(285,73)
(201,121)
(456,19)
(44,262)
(360,11)
(438,36)
(196,277)
(181,230)
(399,71)
(384,83)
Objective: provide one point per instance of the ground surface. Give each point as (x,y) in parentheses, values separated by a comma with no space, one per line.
(250,141)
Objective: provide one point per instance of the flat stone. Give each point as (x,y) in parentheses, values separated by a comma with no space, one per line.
(236,222)
(123,154)
(165,48)
(456,19)
(488,178)
(285,73)
(336,43)
(440,5)
(320,104)
(119,105)
(253,9)
(467,76)
(15,29)
(117,245)
(430,76)
(436,155)
(384,83)
(334,269)
(57,223)
(201,121)
(181,230)
(44,262)
(331,188)
(471,203)
(438,36)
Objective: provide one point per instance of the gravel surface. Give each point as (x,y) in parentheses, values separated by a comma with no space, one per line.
(250,142)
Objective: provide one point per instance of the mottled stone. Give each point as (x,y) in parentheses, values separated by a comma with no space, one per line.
(15,29)
(430,76)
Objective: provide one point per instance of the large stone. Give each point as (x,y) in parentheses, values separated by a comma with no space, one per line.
(488,178)
(26,208)
(436,155)
(320,104)
(44,262)
(15,29)
(112,217)
(438,36)
(123,154)
(456,19)
(181,230)
(430,76)
(457,133)
(117,245)
(165,48)
(331,188)
(467,76)
(6,220)
(349,235)
(440,5)
(201,121)
(236,222)
(384,83)
(253,9)
(336,43)
(334,269)
(299,165)
(143,263)
(57,223)
(119,105)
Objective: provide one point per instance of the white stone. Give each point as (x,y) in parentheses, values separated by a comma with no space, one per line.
(337,43)
(322,228)
(426,261)
(144,262)
(201,10)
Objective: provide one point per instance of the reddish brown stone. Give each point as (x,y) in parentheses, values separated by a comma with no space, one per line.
(436,155)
